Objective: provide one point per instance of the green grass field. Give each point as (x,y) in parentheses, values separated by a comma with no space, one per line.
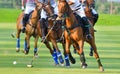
(10,15)
(107,41)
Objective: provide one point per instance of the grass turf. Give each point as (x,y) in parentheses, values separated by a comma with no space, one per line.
(107,41)
(10,15)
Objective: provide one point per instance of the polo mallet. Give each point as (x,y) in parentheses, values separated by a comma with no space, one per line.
(30,65)
(13,35)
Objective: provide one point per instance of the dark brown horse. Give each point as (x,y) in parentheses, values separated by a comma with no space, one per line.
(30,30)
(52,34)
(74,33)
(88,11)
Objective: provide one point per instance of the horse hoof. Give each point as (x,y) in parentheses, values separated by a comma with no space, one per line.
(72,60)
(25,52)
(84,65)
(62,64)
(101,69)
(17,49)
(56,65)
(36,55)
(91,53)
(68,66)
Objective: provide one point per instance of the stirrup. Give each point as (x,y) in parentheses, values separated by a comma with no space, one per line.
(88,36)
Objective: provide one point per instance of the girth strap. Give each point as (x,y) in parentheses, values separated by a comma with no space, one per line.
(73,26)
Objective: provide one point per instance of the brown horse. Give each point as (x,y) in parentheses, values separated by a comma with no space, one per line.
(51,36)
(74,33)
(55,33)
(30,30)
(88,11)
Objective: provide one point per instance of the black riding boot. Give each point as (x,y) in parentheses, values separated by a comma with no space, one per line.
(25,20)
(86,28)
(43,29)
(95,16)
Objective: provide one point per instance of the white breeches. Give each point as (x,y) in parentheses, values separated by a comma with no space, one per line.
(29,9)
(43,13)
(81,12)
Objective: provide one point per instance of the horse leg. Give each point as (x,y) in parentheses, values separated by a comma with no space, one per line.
(82,56)
(81,53)
(67,48)
(18,41)
(74,50)
(35,46)
(55,52)
(52,53)
(72,60)
(27,44)
(66,56)
(59,55)
(83,61)
(92,43)
(91,51)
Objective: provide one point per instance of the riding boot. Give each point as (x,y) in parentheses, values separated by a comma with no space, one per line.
(86,28)
(43,29)
(25,20)
(95,17)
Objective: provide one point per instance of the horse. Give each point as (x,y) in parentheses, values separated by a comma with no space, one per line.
(88,11)
(74,33)
(54,35)
(30,30)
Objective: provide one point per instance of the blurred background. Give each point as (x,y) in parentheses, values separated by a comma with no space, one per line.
(102,6)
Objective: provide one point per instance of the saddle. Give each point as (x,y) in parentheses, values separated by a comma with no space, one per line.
(79,20)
